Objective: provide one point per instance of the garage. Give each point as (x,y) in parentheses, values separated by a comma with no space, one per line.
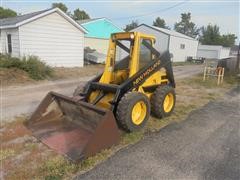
(213,52)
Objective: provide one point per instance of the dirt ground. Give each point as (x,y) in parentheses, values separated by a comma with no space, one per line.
(23,157)
(15,77)
(70,73)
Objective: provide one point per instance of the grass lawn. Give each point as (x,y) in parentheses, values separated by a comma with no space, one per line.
(23,157)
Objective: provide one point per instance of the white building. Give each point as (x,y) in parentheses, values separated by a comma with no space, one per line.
(213,52)
(180,45)
(49,34)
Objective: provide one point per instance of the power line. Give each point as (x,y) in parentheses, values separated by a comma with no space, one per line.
(151,13)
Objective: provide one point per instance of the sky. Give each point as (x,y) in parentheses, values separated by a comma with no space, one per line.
(224,13)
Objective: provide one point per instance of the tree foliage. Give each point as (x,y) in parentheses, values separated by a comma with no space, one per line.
(131,26)
(5,13)
(61,6)
(160,23)
(210,35)
(228,40)
(80,14)
(185,26)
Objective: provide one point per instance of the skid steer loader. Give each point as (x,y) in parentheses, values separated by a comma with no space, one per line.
(137,80)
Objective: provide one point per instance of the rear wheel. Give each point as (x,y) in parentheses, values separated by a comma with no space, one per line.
(163,101)
(133,111)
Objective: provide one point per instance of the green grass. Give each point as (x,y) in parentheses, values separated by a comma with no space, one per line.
(5,153)
(211,82)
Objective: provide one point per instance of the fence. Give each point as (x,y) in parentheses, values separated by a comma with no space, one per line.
(214,72)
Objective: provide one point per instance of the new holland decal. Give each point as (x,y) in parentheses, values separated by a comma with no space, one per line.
(146,73)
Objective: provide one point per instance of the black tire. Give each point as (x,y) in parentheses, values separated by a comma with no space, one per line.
(125,107)
(157,101)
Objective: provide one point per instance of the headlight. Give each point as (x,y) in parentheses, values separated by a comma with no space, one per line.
(132,36)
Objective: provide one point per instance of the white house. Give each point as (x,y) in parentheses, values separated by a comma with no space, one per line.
(180,45)
(49,34)
(213,52)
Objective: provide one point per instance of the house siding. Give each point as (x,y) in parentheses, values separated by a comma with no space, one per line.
(55,40)
(101,45)
(213,51)
(180,55)
(162,39)
(15,41)
(225,52)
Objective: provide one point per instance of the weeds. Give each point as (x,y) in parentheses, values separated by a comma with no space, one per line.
(57,167)
(5,153)
(35,68)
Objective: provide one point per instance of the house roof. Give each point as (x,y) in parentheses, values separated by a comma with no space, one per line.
(169,32)
(14,20)
(99,27)
(87,20)
(17,21)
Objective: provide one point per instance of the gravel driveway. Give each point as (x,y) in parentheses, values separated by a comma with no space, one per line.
(205,146)
(24,99)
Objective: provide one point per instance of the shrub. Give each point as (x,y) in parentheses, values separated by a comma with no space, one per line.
(36,69)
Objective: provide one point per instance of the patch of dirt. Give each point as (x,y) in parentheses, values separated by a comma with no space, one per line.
(14,76)
(24,139)
(67,73)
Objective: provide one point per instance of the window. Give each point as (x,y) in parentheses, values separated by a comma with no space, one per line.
(9,43)
(182,46)
(145,54)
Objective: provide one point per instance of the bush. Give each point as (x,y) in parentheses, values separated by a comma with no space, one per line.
(36,69)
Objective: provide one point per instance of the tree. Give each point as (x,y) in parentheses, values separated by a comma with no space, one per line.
(185,26)
(210,35)
(80,15)
(131,26)
(5,13)
(61,6)
(160,23)
(228,40)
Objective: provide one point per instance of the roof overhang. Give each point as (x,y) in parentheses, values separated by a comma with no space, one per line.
(60,12)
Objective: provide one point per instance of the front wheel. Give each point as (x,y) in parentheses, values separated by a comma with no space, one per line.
(163,101)
(133,111)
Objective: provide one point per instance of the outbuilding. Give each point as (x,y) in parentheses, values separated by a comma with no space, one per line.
(99,32)
(179,45)
(49,34)
(213,51)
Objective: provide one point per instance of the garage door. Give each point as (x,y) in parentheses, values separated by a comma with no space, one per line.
(210,54)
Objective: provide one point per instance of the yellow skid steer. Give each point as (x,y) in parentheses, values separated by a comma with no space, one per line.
(137,80)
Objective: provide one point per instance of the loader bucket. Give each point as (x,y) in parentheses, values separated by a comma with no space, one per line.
(73,128)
